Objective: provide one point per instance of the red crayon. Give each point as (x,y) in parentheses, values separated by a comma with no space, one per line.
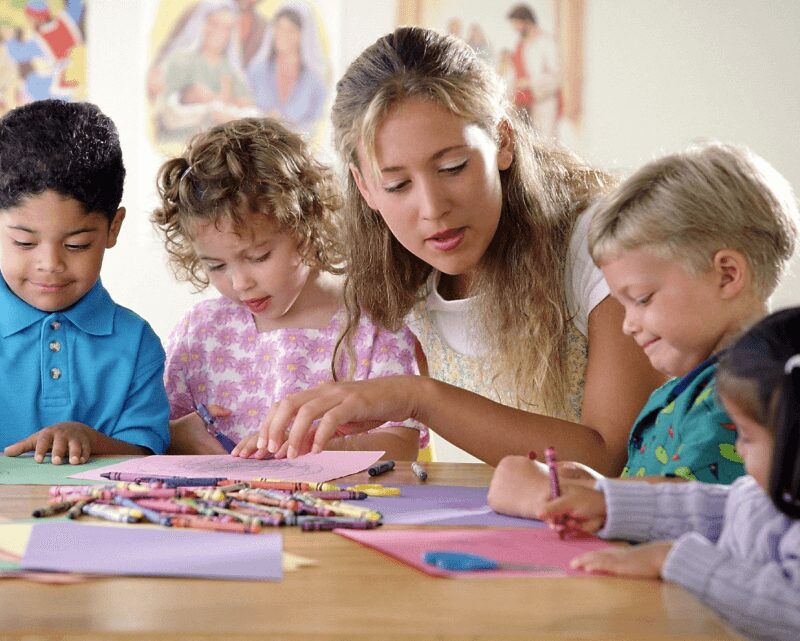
(555,488)
(214,524)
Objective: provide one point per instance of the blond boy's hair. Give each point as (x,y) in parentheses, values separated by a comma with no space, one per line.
(687,206)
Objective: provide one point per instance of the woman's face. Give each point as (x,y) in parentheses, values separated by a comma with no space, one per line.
(439,188)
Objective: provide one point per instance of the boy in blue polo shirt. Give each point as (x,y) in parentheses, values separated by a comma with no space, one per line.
(81,374)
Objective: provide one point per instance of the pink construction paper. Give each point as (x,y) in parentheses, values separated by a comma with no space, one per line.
(538,546)
(64,546)
(316,468)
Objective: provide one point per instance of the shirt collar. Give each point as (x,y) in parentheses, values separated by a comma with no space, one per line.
(93,314)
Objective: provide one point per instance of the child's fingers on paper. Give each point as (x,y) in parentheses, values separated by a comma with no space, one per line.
(44,444)
(20,447)
(77,446)
(60,448)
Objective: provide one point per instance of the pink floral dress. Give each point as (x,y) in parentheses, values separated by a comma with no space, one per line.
(215,355)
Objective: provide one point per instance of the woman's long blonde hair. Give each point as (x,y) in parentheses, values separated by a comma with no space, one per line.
(520,281)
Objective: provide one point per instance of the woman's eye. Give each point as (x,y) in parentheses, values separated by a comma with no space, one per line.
(395,187)
(454,169)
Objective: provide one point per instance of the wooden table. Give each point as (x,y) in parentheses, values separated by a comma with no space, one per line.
(353,594)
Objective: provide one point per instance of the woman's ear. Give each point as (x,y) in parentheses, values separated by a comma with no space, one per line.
(505,148)
(363,188)
(733,272)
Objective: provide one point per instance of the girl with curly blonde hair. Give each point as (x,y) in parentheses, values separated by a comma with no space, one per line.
(247,209)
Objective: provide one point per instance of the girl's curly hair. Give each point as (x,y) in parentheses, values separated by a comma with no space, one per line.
(239,170)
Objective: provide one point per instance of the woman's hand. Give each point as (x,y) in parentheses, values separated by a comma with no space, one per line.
(306,421)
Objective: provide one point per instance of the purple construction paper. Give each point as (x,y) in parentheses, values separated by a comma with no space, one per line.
(442,505)
(65,546)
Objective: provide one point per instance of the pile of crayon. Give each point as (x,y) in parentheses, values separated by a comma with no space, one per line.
(214,503)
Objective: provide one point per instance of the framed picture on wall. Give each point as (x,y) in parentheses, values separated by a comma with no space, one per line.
(42,51)
(217,60)
(536,46)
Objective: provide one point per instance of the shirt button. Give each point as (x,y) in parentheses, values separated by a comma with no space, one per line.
(55,346)
(55,373)
(55,324)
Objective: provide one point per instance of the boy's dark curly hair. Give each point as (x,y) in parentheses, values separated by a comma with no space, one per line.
(71,148)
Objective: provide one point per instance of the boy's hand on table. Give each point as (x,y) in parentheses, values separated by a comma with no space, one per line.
(642,561)
(68,441)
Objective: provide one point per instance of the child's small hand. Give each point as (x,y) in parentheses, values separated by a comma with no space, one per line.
(641,561)
(189,435)
(578,473)
(519,487)
(70,441)
(578,508)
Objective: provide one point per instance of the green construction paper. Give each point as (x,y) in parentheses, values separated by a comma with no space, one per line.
(8,566)
(24,470)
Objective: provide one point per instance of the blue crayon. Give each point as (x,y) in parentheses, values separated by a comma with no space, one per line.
(150,515)
(380,468)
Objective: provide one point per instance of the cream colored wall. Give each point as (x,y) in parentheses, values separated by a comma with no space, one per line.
(658,75)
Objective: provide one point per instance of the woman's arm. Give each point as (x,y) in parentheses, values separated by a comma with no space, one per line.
(618,382)
(398,443)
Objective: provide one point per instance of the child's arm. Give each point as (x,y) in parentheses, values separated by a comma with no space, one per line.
(189,434)
(71,441)
(521,487)
(641,562)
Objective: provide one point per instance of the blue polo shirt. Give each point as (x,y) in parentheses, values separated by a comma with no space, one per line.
(96,362)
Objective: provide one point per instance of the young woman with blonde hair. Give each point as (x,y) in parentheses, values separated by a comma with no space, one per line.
(459,221)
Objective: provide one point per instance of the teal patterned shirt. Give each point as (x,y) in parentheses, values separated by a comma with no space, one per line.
(684,431)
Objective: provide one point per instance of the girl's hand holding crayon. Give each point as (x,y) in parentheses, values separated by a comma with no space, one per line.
(642,561)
